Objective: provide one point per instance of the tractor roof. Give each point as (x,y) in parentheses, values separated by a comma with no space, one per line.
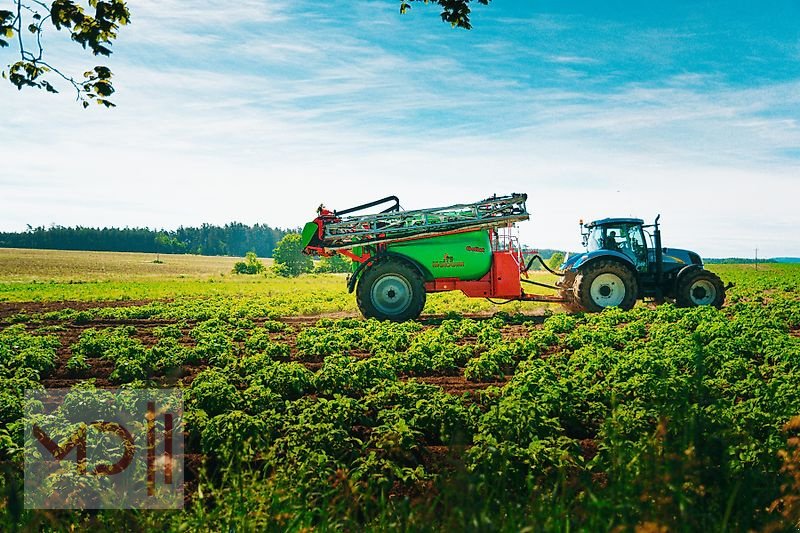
(607,221)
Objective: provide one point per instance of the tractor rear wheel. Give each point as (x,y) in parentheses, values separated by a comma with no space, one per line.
(391,290)
(604,283)
(699,287)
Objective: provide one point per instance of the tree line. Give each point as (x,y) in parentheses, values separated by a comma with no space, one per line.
(231,239)
(736,261)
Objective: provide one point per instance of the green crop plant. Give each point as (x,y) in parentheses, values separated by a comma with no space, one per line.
(213,392)
(20,349)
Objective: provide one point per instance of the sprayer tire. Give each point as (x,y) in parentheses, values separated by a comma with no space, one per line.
(391,290)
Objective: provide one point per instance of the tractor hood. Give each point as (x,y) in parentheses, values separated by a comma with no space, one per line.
(681,257)
(674,258)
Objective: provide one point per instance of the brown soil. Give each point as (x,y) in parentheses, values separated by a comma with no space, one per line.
(458,384)
(588,449)
(8,309)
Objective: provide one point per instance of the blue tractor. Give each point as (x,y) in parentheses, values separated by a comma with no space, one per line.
(624,262)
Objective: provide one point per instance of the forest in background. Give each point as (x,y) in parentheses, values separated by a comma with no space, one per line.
(231,239)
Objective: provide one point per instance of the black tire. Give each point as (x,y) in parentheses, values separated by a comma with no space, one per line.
(391,290)
(699,287)
(605,283)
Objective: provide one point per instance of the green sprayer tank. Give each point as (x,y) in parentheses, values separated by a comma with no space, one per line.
(466,256)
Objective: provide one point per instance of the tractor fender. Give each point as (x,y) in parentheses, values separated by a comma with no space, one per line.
(590,257)
(354,277)
(605,255)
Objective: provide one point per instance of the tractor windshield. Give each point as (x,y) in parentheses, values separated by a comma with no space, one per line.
(603,238)
(624,238)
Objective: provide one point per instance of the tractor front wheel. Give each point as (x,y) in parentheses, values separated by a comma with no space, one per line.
(699,287)
(391,290)
(602,284)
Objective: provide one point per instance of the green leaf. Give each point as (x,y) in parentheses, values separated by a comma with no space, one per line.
(103,73)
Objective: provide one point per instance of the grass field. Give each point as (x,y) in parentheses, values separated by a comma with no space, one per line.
(18,265)
(59,276)
(302,416)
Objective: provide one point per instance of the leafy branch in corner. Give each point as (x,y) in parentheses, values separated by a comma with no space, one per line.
(25,24)
(456,12)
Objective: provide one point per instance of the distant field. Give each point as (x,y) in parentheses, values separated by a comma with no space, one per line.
(73,276)
(61,277)
(22,265)
(54,275)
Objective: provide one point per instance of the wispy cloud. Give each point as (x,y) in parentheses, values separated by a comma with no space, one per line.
(572,60)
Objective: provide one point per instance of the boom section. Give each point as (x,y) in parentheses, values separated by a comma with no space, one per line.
(348,232)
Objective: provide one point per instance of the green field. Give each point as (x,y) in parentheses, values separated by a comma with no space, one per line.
(302,416)
(59,276)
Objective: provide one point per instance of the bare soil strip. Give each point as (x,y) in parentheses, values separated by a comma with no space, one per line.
(8,309)
(101,369)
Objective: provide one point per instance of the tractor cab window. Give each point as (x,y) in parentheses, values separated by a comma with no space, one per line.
(605,238)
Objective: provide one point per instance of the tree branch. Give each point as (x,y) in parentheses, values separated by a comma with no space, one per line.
(94,32)
(19,30)
(456,12)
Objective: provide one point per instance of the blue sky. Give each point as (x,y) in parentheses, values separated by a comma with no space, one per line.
(262,111)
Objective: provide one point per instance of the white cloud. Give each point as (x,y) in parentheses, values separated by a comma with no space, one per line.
(572,60)
(209,13)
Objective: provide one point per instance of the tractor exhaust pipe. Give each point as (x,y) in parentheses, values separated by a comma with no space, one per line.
(659,260)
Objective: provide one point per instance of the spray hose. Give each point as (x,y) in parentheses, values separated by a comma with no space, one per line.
(539,258)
